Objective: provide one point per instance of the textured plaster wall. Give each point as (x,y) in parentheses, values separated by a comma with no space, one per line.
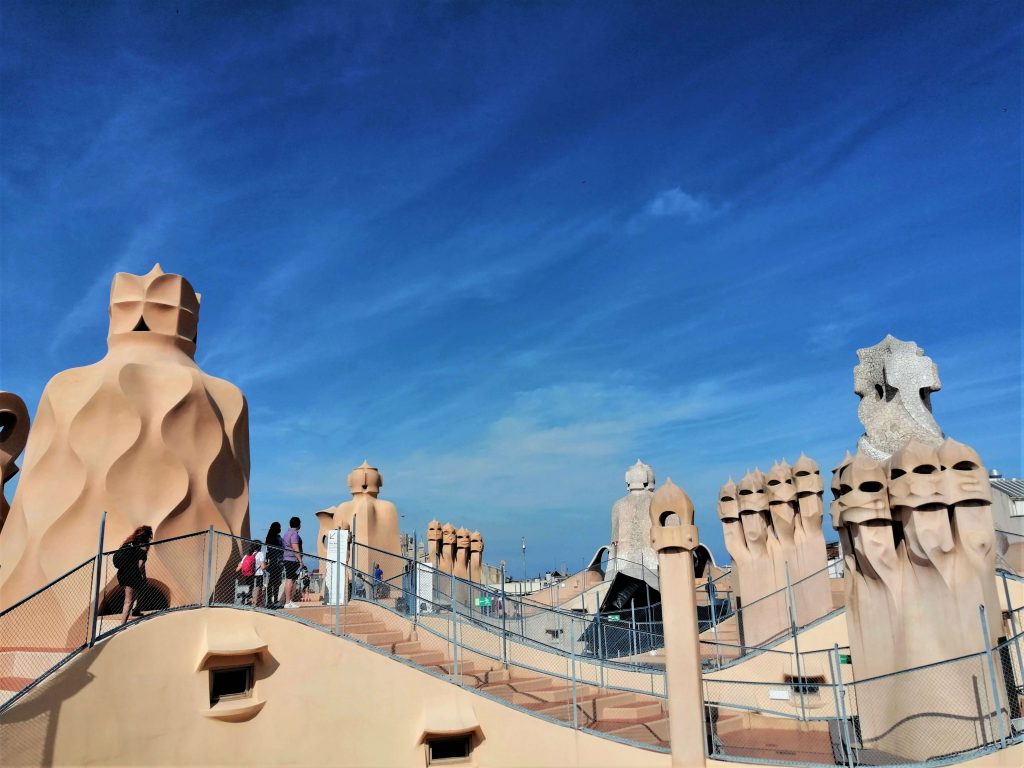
(138,699)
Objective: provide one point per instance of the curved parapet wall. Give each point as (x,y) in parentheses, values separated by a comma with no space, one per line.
(144,435)
(359,707)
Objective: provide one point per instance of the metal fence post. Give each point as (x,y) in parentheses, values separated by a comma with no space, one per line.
(97,578)
(575,714)
(1013,625)
(796,643)
(337,580)
(208,576)
(455,632)
(504,626)
(992,672)
(840,695)
(714,617)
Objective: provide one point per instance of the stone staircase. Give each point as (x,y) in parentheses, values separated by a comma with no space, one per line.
(635,716)
(20,666)
(638,717)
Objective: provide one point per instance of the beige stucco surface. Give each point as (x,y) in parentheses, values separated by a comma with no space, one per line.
(138,699)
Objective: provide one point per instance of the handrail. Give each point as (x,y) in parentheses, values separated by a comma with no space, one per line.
(45,587)
(452,618)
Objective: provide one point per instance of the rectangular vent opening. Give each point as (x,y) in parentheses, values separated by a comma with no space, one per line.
(451,748)
(805,685)
(230,683)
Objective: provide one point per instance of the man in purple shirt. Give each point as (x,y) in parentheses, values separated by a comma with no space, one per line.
(292,543)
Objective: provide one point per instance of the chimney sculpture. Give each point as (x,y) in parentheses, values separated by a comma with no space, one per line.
(763,607)
(460,569)
(914,518)
(476,555)
(14,426)
(674,537)
(631,527)
(813,594)
(145,435)
(434,542)
(374,522)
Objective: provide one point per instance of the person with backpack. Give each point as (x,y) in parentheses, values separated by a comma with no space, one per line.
(261,573)
(247,568)
(130,563)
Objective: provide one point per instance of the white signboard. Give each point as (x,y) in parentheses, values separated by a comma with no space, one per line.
(424,589)
(337,551)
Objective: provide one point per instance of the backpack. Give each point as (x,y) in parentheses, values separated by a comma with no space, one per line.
(123,556)
(249,565)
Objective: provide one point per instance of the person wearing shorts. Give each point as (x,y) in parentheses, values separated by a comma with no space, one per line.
(292,542)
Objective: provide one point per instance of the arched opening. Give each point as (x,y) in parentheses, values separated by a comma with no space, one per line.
(155,596)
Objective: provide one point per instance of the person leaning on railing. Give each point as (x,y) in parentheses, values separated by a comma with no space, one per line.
(273,564)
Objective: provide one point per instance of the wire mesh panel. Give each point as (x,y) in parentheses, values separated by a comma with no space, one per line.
(139,581)
(246,573)
(40,632)
(927,713)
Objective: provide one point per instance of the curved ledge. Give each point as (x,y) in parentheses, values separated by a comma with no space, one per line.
(231,641)
(234,710)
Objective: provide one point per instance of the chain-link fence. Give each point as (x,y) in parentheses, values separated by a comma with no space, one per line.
(137,582)
(42,631)
(763,703)
(1010,551)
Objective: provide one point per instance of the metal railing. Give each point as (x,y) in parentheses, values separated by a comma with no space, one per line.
(453,629)
(938,713)
(621,636)
(1010,551)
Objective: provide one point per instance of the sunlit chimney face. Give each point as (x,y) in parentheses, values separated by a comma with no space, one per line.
(155,304)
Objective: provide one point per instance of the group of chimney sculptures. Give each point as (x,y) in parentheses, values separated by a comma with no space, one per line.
(913,513)
(772,530)
(912,508)
(455,552)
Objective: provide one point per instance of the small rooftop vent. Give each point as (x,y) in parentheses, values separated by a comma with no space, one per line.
(995,474)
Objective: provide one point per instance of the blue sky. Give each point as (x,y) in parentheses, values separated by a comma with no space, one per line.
(502,250)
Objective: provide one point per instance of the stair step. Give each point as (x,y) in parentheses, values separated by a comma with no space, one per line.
(363,628)
(406,647)
(651,731)
(565,693)
(385,639)
(427,658)
(518,686)
(465,668)
(633,712)
(613,699)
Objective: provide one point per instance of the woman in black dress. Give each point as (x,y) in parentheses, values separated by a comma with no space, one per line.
(130,562)
(273,563)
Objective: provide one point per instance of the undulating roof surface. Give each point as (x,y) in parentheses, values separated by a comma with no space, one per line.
(1011,486)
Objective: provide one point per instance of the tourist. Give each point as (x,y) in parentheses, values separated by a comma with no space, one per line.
(292,559)
(261,574)
(247,568)
(273,566)
(130,562)
(378,584)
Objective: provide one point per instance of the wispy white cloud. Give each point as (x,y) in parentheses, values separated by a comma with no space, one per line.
(87,314)
(675,203)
